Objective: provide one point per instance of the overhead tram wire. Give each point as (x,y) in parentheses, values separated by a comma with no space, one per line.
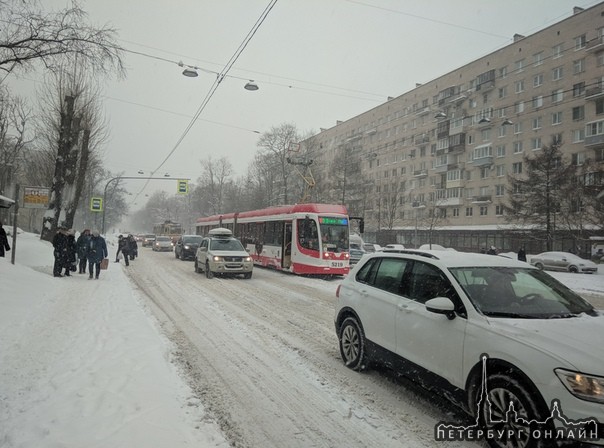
(214,87)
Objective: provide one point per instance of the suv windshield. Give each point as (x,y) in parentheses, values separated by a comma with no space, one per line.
(519,293)
(226,244)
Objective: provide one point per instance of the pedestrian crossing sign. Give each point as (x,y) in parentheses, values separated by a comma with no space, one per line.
(96,204)
(183,186)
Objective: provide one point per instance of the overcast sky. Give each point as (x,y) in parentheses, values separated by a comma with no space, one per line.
(315,61)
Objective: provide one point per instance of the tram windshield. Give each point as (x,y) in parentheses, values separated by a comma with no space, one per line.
(334,233)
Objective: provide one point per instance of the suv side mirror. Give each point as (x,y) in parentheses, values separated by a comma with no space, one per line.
(441,305)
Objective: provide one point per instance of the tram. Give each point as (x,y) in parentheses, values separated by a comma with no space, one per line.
(302,239)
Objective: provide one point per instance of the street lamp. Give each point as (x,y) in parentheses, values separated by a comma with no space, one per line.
(251,85)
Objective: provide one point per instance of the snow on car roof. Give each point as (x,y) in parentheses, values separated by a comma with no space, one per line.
(457,259)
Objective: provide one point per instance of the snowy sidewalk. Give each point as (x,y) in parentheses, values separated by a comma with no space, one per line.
(82,364)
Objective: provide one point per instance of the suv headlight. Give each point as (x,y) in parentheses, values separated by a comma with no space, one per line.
(216,258)
(583,386)
(247,259)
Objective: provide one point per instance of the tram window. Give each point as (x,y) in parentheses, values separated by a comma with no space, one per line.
(308,236)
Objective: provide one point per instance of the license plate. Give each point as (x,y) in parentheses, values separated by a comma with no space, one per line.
(337,264)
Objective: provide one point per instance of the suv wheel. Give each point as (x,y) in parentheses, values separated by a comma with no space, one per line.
(352,344)
(197,268)
(209,273)
(247,275)
(503,390)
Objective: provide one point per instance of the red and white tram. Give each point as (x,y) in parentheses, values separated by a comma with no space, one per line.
(301,238)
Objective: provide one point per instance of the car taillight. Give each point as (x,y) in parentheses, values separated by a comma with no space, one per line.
(338,291)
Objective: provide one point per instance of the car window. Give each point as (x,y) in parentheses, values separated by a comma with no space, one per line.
(226,244)
(390,274)
(523,293)
(191,239)
(425,281)
(367,271)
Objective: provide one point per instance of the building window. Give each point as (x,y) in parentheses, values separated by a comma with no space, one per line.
(485,172)
(600,106)
(538,58)
(517,168)
(484,210)
(578,158)
(518,127)
(580,42)
(500,190)
(520,66)
(557,96)
(557,118)
(469,211)
(536,143)
(578,66)
(579,113)
(578,135)
(456,213)
(557,51)
(600,59)
(503,72)
(502,131)
(517,147)
(500,151)
(538,80)
(557,73)
(499,209)
(519,107)
(520,86)
(500,170)
(503,92)
(537,101)
(578,89)
(537,123)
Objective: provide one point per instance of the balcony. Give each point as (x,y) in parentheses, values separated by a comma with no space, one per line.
(594,93)
(422,138)
(371,131)
(485,86)
(458,99)
(484,199)
(420,173)
(483,161)
(423,111)
(595,44)
(594,141)
(455,183)
(449,202)
(418,204)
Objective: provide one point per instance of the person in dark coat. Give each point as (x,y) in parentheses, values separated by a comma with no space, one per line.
(97,250)
(492,250)
(59,243)
(522,254)
(82,248)
(133,246)
(70,257)
(124,247)
(3,241)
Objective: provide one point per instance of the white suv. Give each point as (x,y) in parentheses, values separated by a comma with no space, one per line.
(472,320)
(221,253)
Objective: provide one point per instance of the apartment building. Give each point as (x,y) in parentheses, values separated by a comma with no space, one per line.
(450,144)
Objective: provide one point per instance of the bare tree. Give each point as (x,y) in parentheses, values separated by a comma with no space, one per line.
(14,120)
(214,180)
(73,127)
(29,34)
(277,142)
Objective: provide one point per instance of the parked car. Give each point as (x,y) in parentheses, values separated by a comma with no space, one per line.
(186,246)
(355,255)
(563,261)
(221,253)
(393,247)
(162,244)
(490,331)
(371,247)
(148,240)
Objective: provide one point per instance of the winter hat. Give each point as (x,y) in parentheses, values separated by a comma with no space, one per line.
(95,232)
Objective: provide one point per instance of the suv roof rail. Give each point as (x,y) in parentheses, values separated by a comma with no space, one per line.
(421,253)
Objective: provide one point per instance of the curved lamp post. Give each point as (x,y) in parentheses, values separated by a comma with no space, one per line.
(113,179)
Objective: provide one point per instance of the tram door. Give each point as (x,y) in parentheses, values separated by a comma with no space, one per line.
(286,260)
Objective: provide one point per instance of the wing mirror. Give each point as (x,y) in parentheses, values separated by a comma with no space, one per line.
(441,305)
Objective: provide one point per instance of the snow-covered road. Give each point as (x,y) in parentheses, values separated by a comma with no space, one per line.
(262,356)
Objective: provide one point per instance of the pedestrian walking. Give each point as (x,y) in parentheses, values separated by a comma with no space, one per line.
(124,247)
(82,249)
(70,257)
(132,246)
(59,244)
(522,254)
(3,241)
(97,250)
